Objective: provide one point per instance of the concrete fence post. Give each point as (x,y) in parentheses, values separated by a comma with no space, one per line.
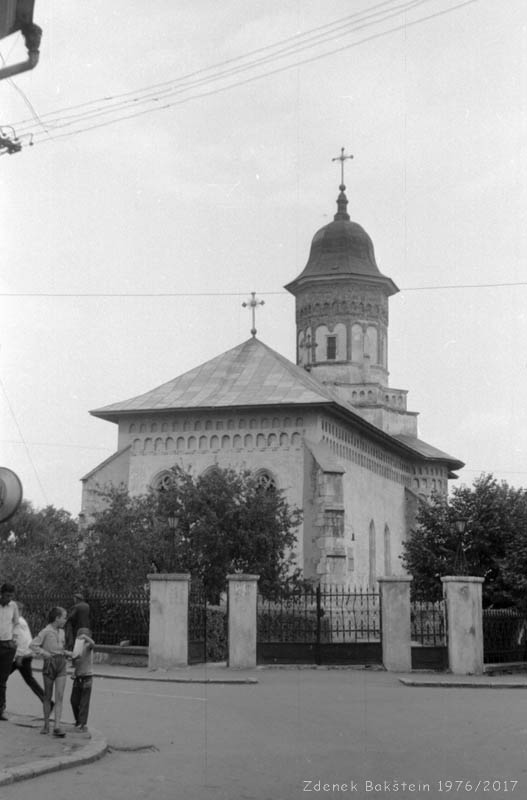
(242,620)
(168,632)
(464,623)
(395,620)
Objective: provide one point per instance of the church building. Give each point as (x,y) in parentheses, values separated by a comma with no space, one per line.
(329,430)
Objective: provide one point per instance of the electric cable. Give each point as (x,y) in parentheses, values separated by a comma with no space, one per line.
(220,89)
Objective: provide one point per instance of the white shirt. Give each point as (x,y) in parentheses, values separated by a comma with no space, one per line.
(23,638)
(8,619)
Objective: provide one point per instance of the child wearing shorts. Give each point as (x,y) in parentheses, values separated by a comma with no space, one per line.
(83,678)
(50,645)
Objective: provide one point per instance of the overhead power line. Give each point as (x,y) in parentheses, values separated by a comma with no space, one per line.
(243,294)
(55,444)
(155,100)
(28,452)
(285,46)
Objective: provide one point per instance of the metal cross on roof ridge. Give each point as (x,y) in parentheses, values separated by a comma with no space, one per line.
(342,158)
(252,304)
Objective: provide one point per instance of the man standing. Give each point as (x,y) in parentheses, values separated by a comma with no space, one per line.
(8,620)
(78,617)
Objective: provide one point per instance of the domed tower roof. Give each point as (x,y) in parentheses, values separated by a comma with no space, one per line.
(341,249)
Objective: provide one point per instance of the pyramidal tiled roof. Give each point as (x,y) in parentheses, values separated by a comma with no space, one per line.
(251,374)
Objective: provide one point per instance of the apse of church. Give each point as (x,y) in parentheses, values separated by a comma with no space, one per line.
(329,431)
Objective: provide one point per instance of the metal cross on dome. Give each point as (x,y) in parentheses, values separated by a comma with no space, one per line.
(252,304)
(342,158)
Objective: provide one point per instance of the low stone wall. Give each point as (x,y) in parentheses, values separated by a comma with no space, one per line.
(121,656)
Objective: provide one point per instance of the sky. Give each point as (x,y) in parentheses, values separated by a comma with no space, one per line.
(182,158)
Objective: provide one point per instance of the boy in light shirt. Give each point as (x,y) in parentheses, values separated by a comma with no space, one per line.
(24,654)
(83,678)
(50,645)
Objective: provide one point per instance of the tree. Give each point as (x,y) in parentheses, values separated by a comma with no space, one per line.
(39,551)
(495,516)
(226,522)
(123,544)
(229,521)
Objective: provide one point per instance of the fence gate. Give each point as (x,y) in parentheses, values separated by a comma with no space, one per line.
(207,626)
(197,622)
(429,634)
(319,625)
(504,635)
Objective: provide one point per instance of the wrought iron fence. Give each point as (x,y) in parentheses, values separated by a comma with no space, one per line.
(504,635)
(351,615)
(114,616)
(120,616)
(320,624)
(320,613)
(428,626)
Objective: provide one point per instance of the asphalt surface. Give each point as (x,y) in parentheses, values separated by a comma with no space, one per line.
(293,734)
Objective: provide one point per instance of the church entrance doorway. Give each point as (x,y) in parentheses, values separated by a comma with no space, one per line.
(319,625)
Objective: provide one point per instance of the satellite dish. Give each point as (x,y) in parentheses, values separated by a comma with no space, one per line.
(10,493)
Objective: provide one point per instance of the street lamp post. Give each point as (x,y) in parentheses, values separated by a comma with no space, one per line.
(460,561)
(173,522)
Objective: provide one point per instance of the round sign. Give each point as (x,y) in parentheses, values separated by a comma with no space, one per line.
(10,493)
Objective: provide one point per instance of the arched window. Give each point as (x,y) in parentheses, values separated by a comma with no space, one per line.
(266,480)
(372,553)
(370,343)
(162,481)
(387,551)
(357,343)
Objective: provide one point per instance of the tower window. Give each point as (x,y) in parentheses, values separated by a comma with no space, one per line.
(331,348)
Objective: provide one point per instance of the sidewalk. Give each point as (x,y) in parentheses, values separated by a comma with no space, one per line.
(25,753)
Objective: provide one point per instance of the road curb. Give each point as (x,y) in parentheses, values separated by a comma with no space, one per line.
(93,750)
(163,677)
(170,679)
(463,684)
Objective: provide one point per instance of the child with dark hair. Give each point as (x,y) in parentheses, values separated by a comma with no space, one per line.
(83,678)
(50,645)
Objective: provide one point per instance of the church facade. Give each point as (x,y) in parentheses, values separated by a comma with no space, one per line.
(329,430)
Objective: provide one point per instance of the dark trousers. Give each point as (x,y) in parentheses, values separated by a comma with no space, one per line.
(80,698)
(27,673)
(7,654)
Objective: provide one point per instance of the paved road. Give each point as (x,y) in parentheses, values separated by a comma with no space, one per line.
(263,742)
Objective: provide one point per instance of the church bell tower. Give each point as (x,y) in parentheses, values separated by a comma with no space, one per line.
(342,316)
